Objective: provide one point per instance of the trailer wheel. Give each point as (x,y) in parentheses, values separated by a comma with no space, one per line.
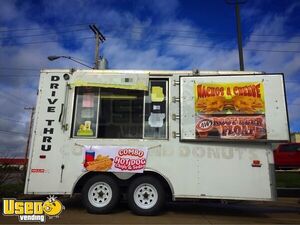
(146,196)
(100,194)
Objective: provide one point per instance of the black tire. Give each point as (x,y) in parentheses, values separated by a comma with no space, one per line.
(108,194)
(146,196)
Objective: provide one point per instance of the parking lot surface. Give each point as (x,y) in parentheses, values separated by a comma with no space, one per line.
(283,211)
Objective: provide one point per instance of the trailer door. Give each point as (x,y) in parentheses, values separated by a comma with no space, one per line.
(228,121)
(45,173)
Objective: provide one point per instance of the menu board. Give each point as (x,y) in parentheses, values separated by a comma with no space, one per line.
(238,107)
(233,110)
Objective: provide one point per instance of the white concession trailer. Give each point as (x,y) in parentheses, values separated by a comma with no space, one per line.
(154,135)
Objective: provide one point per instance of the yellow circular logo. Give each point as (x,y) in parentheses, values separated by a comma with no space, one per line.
(52,207)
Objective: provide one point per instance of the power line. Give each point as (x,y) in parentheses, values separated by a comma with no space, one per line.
(273,35)
(19,99)
(27,29)
(271,41)
(14,76)
(179,44)
(140,32)
(215,47)
(43,34)
(16,68)
(18,77)
(3,115)
(140,27)
(270,50)
(204,38)
(11,132)
(212,39)
(16,101)
(42,42)
(16,121)
(171,43)
(6,147)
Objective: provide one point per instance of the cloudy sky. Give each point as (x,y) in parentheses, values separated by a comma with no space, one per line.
(141,34)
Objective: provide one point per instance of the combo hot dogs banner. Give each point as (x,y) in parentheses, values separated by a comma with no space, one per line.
(115,158)
(230,111)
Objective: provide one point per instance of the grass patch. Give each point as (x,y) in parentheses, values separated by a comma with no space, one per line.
(288,179)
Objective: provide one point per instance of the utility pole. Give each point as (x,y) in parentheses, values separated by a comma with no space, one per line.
(239,29)
(99,37)
(28,138)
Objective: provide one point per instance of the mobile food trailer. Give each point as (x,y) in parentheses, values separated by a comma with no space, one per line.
(156,134)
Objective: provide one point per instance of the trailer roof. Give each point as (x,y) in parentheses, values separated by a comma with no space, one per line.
(154,72)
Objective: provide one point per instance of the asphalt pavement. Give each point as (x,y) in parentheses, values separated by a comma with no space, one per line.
(283,211)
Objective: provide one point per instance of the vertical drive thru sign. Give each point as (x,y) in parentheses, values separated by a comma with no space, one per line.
(233,107)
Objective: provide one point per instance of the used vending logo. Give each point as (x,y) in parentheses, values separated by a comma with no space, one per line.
(32,210)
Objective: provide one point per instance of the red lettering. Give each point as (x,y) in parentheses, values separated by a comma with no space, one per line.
(251,91)
(129,164)
(258,90)
(204,91)
(131,152)
(237,130)
(235,91)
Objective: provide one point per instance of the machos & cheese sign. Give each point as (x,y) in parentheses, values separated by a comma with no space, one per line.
(230,111)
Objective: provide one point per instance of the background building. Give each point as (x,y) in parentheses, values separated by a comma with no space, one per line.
(295,137)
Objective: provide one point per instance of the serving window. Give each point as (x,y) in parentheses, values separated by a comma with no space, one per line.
(156,120)
(121,113)
(86,112)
